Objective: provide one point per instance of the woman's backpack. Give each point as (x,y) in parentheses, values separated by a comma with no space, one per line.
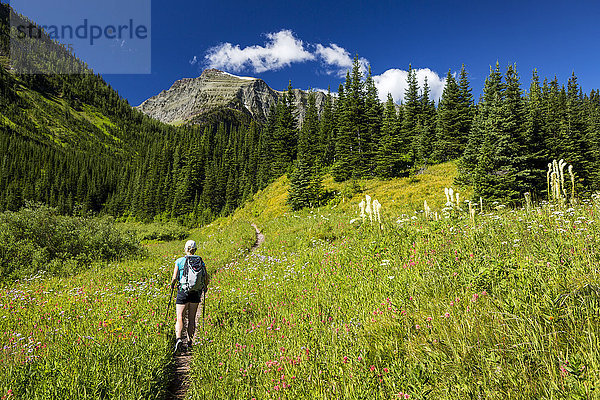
(193,276)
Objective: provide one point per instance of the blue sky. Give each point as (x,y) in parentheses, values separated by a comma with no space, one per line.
(81,25)
(309,42)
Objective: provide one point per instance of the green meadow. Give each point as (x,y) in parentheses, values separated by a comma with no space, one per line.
(499,305)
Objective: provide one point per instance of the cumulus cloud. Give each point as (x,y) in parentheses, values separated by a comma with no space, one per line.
(394,81)
(281,50)
(334,55)
(338,58)
(194,61)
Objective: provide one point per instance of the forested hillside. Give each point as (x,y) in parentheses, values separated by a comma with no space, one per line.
(504,142)
(72,142)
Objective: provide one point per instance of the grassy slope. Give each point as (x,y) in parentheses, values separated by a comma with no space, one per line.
(41,111)
(100,334)
(58,123)
(503,307)
(397,196)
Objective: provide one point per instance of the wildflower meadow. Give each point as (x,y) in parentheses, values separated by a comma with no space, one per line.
(458,300)
(100,333)
(500,303)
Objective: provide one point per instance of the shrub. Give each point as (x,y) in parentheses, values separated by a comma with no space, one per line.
(37,238)
(158,231)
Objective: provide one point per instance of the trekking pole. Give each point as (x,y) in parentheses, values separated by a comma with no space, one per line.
(203,308)
(169,305)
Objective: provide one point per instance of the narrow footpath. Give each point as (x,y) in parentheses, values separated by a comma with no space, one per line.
(260,238)
(180,366)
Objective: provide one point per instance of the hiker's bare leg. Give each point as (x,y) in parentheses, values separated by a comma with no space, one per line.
(180,308)
(191,328)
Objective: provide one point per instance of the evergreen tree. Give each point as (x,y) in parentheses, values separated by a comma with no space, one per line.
(425,127)
(592,112)
(575,149)
(485,122)
(327,132)
(305,181)
(535,157)
(412,108)
(389,154)
(308,145)
(350,144)
(449,142)
(510,144)
(305,186)
(285,136)
(373,117)
(500,162)
(265,150)
(466,109)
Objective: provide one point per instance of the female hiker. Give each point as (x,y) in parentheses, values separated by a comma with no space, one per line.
(190,273)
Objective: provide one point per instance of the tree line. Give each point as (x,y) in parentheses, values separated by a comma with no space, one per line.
(72,142)
(503,143)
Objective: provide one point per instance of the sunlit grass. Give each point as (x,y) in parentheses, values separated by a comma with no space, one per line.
(402,195)
(101,333)
(506,307)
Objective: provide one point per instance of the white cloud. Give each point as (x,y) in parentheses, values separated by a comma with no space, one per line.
(317,90)
(194,60)
(339,58)
(335,55)
(280,50)
(394,81)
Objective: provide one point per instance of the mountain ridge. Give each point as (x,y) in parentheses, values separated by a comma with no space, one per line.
(185,102)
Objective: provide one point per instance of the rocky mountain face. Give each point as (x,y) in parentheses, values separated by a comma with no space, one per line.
(189,98)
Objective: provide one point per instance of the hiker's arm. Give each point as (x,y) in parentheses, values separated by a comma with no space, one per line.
(175,276)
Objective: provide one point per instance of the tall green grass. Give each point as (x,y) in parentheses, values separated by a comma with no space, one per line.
(505,307)
(103,333)
(155,231)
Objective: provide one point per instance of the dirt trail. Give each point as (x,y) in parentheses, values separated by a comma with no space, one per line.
(180,366)
(260,238)
(180,380)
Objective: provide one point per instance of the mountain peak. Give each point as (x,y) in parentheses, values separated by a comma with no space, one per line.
(213,73)
(189,98)
(210,71)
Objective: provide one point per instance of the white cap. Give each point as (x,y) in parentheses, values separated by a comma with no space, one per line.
(190,245)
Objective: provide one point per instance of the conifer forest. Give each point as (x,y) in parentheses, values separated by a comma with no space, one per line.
(134,166)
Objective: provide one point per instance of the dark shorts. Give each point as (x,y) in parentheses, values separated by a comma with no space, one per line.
(190,297)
